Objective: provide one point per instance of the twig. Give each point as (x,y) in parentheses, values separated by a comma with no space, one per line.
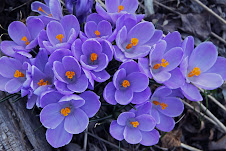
(101,3)
(85,139)
(107,142)
(218,37)
(210,11)
(21,5)
(214,100)
(166,7)
(189,147)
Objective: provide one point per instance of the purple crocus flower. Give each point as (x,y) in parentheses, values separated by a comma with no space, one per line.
(64,116)
(161,63)
(13,74)
(132,44)
(129,85)
(135,128)
(82,8)
(60,34)
(201,68)
(116,8)
(94,56)
(48,12)
(70,77)
(24,38)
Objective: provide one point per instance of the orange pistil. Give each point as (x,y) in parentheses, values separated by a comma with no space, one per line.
(196,71)
(18,74)
(134,42)
(163,105)
(163,64)
(125,83)
(41,82)
(70,74)
(41,10)
(120,8)
(156,102)
(97,33)
(93,57)
(135,124)
(60,37)
(65,111)
(25,39)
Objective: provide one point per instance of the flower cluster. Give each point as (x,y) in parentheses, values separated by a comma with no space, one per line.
(52,62)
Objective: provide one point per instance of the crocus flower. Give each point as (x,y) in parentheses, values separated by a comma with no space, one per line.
(132,44)
(129,85)
(64,116)
(60,34)
(70,77)
(48,12)
(94,56)
(161,62)
(116,8)
(24,38)
(135,129)
(13,74)
(202,69)
(82,8)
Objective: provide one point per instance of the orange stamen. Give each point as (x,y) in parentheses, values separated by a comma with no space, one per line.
(134,42)
(163,64)
(129,46)
(93,57)
(60,37)
(70,74)
(195,72)
(65,111)
(163,105)
(120,8)
(125,83)
(135,124)
(18,74)
(41,10)
(25,39)
(97,33)
(156,102)
(41,82)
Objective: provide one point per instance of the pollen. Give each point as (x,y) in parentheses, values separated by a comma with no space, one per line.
(70,74)
(120,8)
(156,102)
(163,105)
(18,74)
(163,64)
(97,33)
(195,72)
(60,37)
(25,39)
(135,124)
(41,82)
(125,83)
(41,10)
(93,57)
(65,111)
(134,42)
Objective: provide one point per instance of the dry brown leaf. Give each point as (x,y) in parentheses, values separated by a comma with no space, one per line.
(172,139)
(218,145)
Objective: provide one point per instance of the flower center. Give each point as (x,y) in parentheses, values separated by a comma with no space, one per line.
(65,111)
(70,74)
(25,39)
(135,124)
(134,42)
(196,71)
(18,74)
(163,64)
(120,8)
(60,37)
(97,33)
(125,83)
(41,82)
(41,10)
(93,57)
(163,105)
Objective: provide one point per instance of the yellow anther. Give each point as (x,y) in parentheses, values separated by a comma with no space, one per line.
(156,103)
(134,42)
(163,64)
(41,82)
(25,39)
(18,74)
(125,83)
(93,57)
(196,71)
(65,111)
(120,8)
(70,74)
(97,33)
(156,66)
(41,10)
(135,124)
(60,37)
(163,105)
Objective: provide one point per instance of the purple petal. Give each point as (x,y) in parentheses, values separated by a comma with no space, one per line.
(166,123)
(68,22)
(53,29)
(13,86)
(55,9)
(121,38)
(34,26)
(141,97)
(161,76)
(119,55)
(63,137)
(155,114)
(161,92)
(146,122)
(58,55)
(132,135)
(112,6)
(116,130)
(7,48)
(157,53)
(188,46)
(191,92)
(109,93)
(155,38)
(130,67)
(102,62)
(150,138)
(94,17)
(118,77)
(218,68)
(90,28)
(76,122)
(92,103)
(105,29)
(173,40)
(71,64)
(62,87)
(107,48)
(85,64)
(50,97)
(102,12)
(124,97)
(76,100)
(138,52)
(76,48)
(138,81)
(59,71)
(101,76)
(31,101)
(50,116)
(3,82)
(130,6)
(144,66)
(123,117)
(80,84)
(144,108)
(91,46)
